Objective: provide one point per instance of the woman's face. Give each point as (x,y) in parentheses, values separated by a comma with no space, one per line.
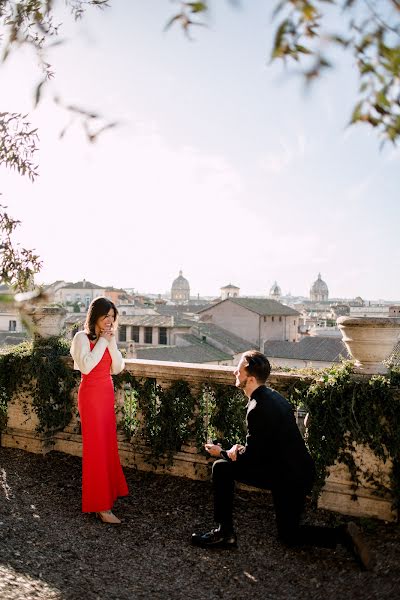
(105,322)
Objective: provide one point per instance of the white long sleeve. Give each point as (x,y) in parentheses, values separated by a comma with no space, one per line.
(85,359)
(118,362)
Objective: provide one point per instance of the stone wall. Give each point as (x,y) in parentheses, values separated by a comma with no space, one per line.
(337,494)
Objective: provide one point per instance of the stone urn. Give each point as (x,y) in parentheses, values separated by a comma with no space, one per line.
(370,341)
(44,321)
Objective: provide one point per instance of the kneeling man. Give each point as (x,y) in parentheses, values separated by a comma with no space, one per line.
(274,457)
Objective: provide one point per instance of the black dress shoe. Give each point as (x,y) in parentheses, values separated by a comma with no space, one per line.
(356,543)
(216,538)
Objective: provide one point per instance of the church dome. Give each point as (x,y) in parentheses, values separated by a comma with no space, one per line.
(180,289)
(275,291)
(319,290)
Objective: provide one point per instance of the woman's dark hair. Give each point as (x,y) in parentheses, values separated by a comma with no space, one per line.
(99,307)
(257,365)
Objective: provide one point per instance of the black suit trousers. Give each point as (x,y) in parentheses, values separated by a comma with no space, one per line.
(289,501)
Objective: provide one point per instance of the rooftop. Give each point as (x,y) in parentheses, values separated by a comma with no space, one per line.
(394,358)
(195,351)
(146,320)
(221,336)
(262,306)
(82,285)
(318,348)
(183,314)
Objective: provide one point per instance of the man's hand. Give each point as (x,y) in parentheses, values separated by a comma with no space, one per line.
(235,450)
(213,449)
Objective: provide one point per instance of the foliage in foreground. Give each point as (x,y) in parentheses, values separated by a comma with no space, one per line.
(368,31)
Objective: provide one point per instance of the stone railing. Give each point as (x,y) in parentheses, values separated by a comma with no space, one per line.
(337,494)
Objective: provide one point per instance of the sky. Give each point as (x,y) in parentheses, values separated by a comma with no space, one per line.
(221,165)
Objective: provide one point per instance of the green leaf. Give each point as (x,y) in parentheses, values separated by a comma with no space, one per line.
(356,115)
(38,92)
(197,7)
(278,48)
(302,49)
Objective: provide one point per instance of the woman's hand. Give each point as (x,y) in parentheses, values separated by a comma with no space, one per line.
(107,333)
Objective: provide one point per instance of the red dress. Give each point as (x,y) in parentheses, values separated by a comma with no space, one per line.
(102,477)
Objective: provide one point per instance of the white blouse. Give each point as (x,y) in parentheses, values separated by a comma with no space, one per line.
(85,359)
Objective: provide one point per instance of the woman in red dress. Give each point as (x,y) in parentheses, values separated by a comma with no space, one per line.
(96,355)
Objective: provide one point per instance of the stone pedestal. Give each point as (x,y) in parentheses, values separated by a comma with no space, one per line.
(339,495)
(44,321)
(370,341)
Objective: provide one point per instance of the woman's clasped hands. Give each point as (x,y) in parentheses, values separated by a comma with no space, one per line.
(107,332)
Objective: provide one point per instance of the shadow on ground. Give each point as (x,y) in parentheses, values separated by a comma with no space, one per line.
(49,550)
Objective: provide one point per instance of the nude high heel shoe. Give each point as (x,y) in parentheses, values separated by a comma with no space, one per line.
(106,516)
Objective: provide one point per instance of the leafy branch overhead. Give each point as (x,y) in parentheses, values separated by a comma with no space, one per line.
(17,265)
(368,30)
(31,23)
(18,144)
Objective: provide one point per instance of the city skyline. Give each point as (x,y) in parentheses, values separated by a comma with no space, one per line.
(167,292)
(221,165)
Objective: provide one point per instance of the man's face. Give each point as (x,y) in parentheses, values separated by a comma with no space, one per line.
(241,374)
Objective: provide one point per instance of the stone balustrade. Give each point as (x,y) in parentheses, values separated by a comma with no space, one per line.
(338,492)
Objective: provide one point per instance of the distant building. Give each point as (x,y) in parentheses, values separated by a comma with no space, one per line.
(79,293)
(254,319)
(374,310)
(394,311)
(180,290)
(12,330)
(142,326)
(319,290)
(315,352)
(118,296)
(275,293)
(229,291)
(358,301)
(317,330)
(340,310)
(51,289)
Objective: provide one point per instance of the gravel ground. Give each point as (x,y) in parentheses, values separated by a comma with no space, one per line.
(49,550)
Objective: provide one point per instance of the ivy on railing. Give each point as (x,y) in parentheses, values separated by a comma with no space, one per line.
(347,410)
(39,367)
(175,415)
(167,414)
(14,367)
(226,414)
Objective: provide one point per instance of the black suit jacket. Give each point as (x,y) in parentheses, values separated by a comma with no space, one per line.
(274,445)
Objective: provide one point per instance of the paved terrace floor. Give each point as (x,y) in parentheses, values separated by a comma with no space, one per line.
(49,550)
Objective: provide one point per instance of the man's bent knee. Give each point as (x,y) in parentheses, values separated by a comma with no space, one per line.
(221,468)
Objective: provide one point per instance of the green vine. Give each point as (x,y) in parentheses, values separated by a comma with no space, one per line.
(54,384)
(167,421)
(346,410)
(14,366)
(173,416)
(225,406)
(39,368)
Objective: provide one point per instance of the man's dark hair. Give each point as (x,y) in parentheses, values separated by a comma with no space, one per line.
(257,365)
